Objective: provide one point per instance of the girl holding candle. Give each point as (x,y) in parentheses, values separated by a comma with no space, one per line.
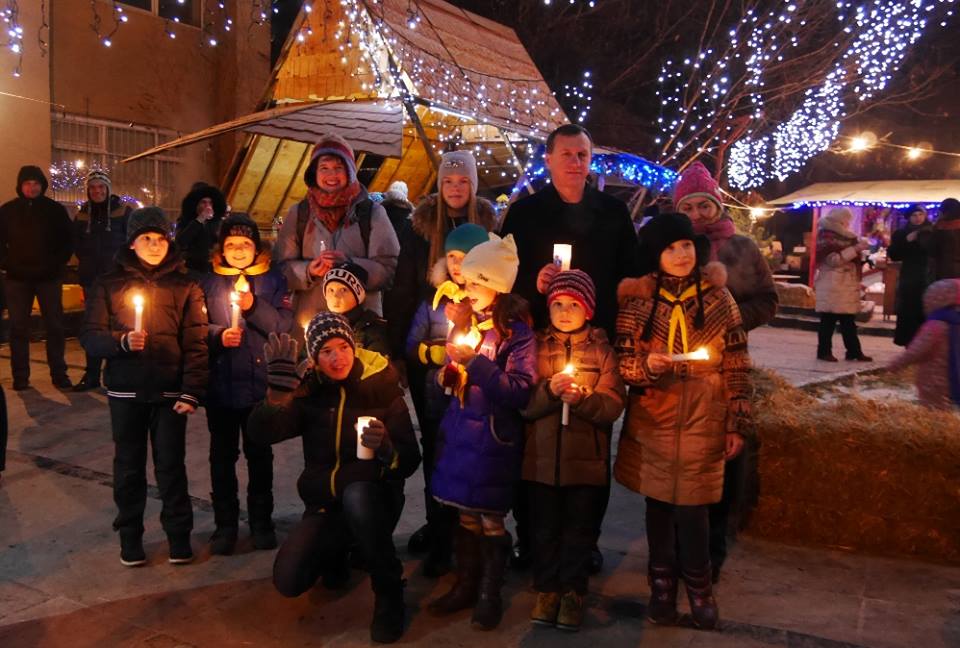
(426,350)
(354,467)
(155,377)
(247,299)
(684,419)
(567,465)
(480,442)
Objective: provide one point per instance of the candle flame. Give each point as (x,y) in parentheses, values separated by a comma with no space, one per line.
(471,339)
(700,354)
(569,370)
(138,300)
(242,285)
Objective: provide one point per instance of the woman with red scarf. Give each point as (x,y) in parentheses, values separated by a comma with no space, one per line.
(336,222)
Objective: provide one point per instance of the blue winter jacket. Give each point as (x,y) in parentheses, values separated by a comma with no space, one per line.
(480,445)
(238,376)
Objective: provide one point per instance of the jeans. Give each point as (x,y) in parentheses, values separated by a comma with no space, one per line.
(227,427)
(563,522)
(368,512)
(20,296)
(133,425)
(672,525)
(848,330)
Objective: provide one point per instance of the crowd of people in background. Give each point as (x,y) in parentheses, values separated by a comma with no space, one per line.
(518,366)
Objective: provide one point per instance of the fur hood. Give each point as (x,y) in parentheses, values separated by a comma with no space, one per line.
(642,287)
(425,215)
(438,273)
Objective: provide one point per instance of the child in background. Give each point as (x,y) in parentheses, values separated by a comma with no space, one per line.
(238,377)
(426,347)
(481,435)
(567,466)
(156,375)
(344,288)
(687,416)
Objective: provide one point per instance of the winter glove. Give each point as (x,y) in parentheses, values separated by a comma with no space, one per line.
(376,438)
(432,353)
(281,356)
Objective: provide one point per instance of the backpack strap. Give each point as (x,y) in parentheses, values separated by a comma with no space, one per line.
(303,216)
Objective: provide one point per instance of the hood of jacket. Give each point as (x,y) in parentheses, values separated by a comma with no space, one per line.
(424,218)
(714,273)
(188,208)
(394,199)
(30,172)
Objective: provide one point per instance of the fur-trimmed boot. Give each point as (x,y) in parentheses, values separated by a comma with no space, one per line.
(703,607)
(664,582)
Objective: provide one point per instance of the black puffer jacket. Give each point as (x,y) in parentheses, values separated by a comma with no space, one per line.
(196,239)
(100,231)
(174,364)
(36,236)
(324,414)
(369,330)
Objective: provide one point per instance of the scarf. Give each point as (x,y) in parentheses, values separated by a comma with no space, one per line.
(830,241)
(330,208)
(719,232)
(951,316)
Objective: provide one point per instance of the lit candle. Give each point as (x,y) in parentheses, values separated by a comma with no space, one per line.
(565,414)
(138,313)
(699,354)
(470,339)
(363,452)
(234,310)
(561,255)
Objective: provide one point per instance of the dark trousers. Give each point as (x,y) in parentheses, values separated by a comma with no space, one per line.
(94,364)
(670,526)
(848,330)
(133,425)
(20,295)
(367,511)
(562,527)
(227,427)
(3,430)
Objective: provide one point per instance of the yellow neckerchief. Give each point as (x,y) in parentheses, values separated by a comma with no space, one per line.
(259,266)
(449,289)
(677,318)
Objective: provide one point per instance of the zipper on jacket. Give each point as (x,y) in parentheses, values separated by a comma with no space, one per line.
(556,468)
(336,467)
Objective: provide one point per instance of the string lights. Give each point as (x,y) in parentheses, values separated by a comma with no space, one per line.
(581,96)
(13,30)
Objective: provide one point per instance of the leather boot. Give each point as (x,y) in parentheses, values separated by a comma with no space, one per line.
(260,510)
(388,610)
(489,609)
(463,594)
(226,515)
(664,582)
(703,607)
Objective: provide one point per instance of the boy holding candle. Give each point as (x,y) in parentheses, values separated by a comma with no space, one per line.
(156,374)
(492,372)
(247,299)
(566,463)
(426,348)
(684,418)
(344,288)
(352,481)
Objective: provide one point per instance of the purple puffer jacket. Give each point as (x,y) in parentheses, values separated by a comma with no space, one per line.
(481,444)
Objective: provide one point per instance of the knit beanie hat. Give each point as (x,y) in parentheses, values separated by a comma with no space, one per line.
(326,326)
(99,175)
(239,224)
(458,163)
(493,264)
(331,144)
(697,182)
(941,294)
(147,219)
(351,275)
(664,230)
(464,238)
(575,284)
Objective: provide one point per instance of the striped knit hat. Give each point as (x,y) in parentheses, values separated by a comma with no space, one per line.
(331,144)
(575,284)
(352,275)
(99,175)
(326,326)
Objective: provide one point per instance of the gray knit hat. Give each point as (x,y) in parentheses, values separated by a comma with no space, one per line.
(147,219)
(99,175)
(325,326)
(458,163)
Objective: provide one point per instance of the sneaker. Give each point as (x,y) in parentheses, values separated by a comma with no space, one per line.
(62,382)
(546,609)
(827,357)
(131,551)
(859,358)
(570,616)
(181,553)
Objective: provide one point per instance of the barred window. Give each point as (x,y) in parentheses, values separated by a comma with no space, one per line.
(186,12)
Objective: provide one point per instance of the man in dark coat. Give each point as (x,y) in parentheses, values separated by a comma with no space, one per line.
(198,228)
(100,228)
(946,240)
(604,243)
(36,241)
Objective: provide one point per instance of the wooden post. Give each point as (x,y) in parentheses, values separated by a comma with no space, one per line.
(427,145)
(813,246)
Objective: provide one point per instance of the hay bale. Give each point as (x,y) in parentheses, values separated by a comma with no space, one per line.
(856,474)
(795,295)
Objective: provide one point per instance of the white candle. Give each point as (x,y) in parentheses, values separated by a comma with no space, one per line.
(323,246)
(699,354)
(561,255)
(138,313)
(363,452)
(565,414)
(234,310)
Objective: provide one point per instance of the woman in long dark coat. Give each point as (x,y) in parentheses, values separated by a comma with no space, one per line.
(911,246)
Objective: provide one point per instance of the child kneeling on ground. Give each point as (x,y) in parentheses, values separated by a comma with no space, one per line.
(684,351)
(147,318)
(480,445)
(352,481)
(566,462)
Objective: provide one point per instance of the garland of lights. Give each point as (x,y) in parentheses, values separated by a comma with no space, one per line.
(582,95)
(14,31)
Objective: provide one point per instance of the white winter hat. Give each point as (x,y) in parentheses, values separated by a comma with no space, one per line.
(493,264)
(399,189)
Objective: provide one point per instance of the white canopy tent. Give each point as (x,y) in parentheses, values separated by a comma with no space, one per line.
(891,193)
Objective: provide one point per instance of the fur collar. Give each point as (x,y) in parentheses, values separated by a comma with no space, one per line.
(715,273)
(424,217)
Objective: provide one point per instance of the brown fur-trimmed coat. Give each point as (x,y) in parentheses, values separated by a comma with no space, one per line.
(673,440)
